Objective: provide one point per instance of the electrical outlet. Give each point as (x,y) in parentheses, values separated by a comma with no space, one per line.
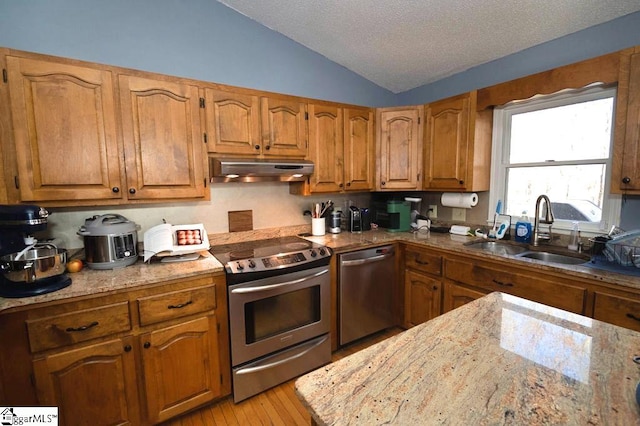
(459,214)
(432,213)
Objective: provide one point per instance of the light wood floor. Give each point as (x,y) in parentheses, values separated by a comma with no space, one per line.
(276,406)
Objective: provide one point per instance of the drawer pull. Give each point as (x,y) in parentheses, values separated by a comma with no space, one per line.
(502,284)
(82,328)
(180,305)
(127,348)
(421,262)
(147,345)
(633,317)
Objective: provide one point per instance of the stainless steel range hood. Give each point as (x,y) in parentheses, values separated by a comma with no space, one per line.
(258,170)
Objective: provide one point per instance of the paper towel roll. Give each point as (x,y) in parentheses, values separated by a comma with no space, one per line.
(461,200)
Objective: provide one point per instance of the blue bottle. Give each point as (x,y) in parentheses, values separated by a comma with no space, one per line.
(523,229)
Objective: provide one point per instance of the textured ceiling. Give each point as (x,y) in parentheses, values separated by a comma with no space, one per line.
(403,44)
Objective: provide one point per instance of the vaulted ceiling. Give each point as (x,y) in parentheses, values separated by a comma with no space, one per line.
(404,44)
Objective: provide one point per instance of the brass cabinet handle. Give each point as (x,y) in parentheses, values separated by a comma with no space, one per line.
(82,328)
(180,305)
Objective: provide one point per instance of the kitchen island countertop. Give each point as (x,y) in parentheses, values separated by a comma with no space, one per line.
(498,360)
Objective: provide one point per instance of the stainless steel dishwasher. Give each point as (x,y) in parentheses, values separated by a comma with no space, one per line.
(366,280)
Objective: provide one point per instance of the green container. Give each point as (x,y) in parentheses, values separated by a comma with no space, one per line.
(399,216)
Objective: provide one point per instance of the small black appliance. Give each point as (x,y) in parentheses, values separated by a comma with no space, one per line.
(365,217)
(18,223)
(355,219)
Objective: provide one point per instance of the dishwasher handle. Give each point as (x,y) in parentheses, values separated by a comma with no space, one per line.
(367,259)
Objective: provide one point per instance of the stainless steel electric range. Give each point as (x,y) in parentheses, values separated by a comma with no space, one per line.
(279,310)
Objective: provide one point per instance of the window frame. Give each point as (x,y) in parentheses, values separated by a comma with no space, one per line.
(612,203)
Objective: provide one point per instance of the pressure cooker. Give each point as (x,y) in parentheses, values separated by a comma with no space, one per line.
(110,241)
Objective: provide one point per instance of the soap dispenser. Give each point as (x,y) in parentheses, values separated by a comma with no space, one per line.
(523,229)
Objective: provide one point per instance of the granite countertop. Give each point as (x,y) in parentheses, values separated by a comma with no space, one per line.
(89,282)
(93,282)
(455,244)
(498,360)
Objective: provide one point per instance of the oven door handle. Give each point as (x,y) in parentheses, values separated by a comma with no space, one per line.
(245,290)
(250,370)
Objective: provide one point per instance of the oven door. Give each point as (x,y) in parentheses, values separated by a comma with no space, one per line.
(274,313)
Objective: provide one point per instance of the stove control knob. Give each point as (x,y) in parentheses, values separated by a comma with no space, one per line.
(313,253)
(323,252)
(240,266)
(252,264)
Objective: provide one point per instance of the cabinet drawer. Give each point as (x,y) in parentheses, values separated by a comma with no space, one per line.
(618,310)
(552,293)
(79,326)
(176,304)
(423,261)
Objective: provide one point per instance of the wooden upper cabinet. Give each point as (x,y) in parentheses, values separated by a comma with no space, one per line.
(626,149)
(359,149)
(457,154)
(64,131)
(284,127)
(398,151)
(233,123)
(326,148)
(341,146)
(248,125)
(163,140)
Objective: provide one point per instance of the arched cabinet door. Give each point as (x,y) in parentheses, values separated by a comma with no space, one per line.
(64,128)
(76,379)
(233,123)
(326,148)
(164,147)
(284,128)
(181,367)
(359,149)
(625,172)
(399,149)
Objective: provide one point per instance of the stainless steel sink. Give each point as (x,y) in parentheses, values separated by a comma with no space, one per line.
(524,251)
(497,247)
(545,256)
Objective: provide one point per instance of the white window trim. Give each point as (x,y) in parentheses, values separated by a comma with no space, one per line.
(499,158)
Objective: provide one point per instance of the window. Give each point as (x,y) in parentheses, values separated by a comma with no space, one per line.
(558,145)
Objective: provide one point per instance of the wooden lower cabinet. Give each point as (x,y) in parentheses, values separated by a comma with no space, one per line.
(181,367)
(455,295)
(422,298)
(92,385)
(422,285)
(485,276)
(618,309)
(438,281)
(135,357)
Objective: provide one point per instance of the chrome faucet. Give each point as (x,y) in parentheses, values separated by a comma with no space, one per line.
(548,220)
